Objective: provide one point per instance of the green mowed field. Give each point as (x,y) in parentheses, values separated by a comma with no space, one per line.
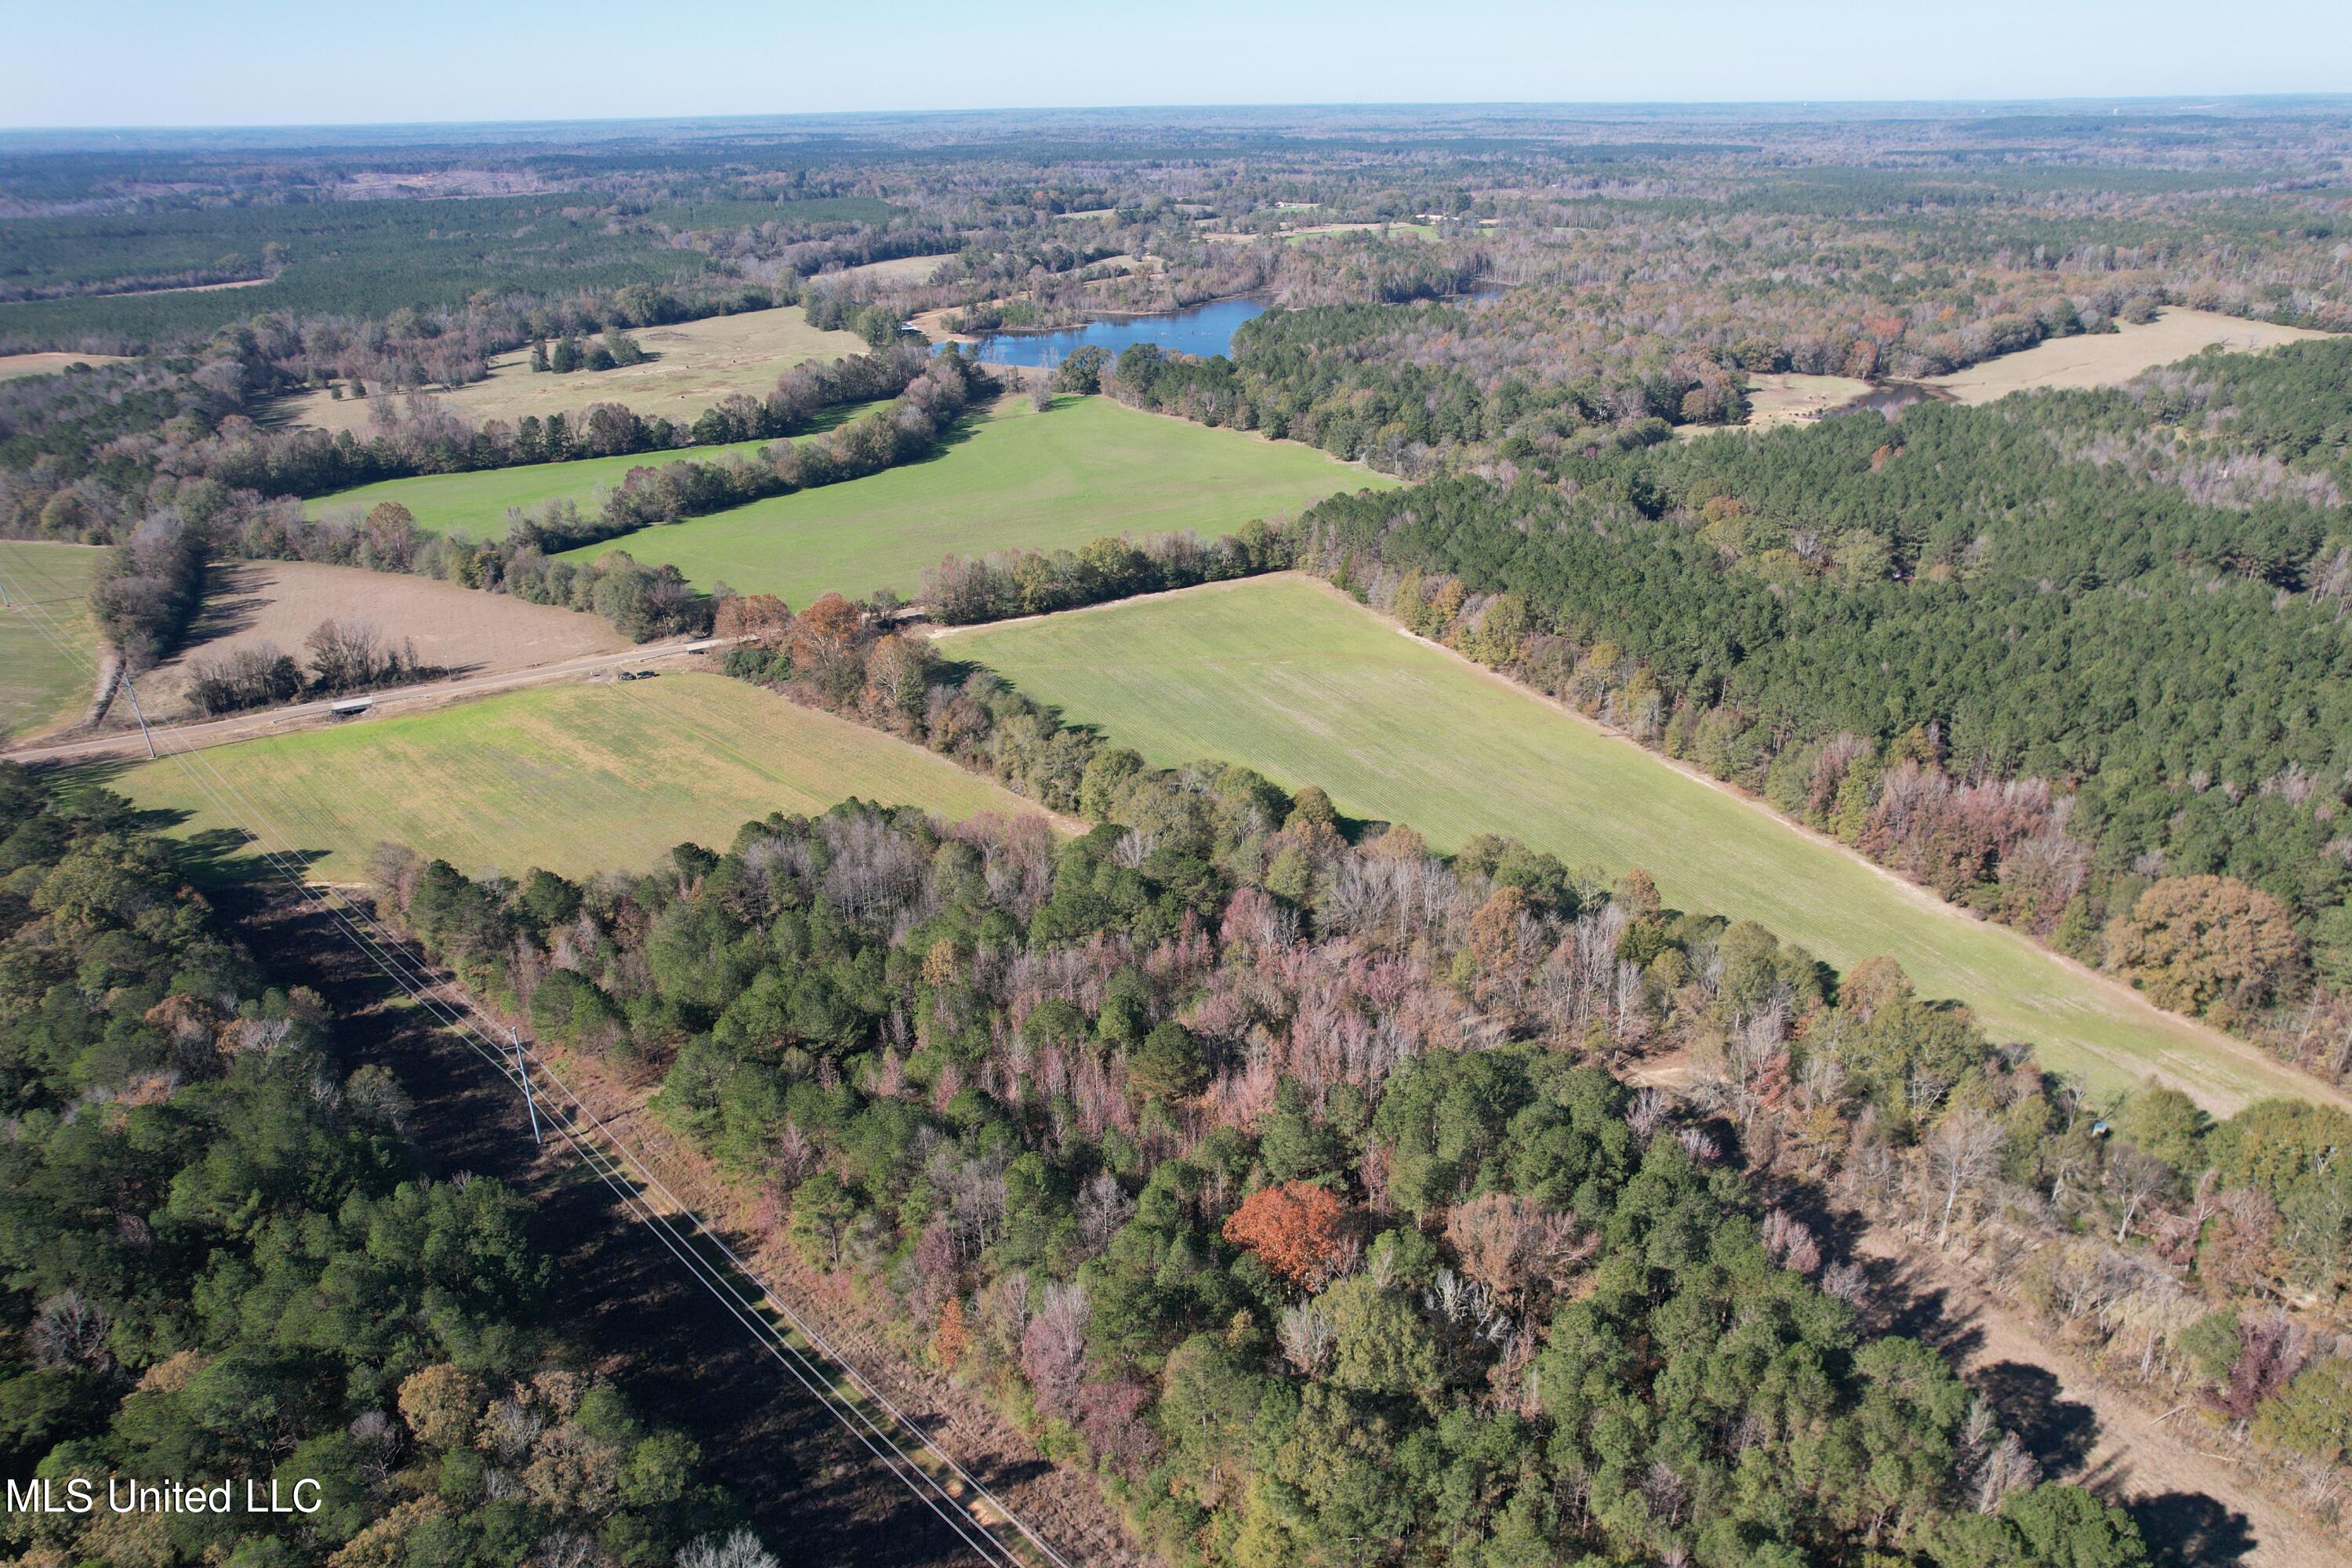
(42,687)
(476,504)
(1285,676)
(1013,478)
(576,779)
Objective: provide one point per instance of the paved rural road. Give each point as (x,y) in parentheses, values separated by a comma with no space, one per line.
(128,743)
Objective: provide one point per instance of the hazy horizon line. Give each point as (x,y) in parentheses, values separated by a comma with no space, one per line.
(1496,105)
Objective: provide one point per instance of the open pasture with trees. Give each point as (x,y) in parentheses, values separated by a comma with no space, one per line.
(1012,479)
(690,367)
(1284,676)
(1273,1174)
(2078,660)
(42,688)
(2111,359)
(576,779)
(1786,397)
(475,502)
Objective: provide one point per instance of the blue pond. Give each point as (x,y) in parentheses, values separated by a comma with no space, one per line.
(1203,330)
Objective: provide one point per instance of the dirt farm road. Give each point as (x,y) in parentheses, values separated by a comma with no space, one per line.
(126,743)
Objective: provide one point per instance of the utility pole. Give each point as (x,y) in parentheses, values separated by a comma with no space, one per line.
(515,1039)
(145,734)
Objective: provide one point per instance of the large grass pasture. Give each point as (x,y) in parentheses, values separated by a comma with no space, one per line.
(577,779)
(1008,479)
(43,688)
(1286,677)
(695,365)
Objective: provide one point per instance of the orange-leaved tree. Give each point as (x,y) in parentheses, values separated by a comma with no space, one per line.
(1296,1230)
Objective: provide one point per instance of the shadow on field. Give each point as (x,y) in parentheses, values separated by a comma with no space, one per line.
(213,859)
(2189,1530)
(2058,1432)
(232,603)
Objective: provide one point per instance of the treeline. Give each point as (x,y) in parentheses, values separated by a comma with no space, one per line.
(1257,1171)
(643,602)
(221,1262)
(2086,704)
(430,440)
(148,591)
(847,311)
(612,350)
(911,427)
(1321,376)
(346,656)
(997,586)
(149,587)
(80,453)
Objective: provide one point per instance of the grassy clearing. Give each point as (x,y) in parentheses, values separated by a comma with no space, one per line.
(578,779)
(1289,679)
(476,503)
(42,688)
(694,365)
(13,366)
(1788,398)
(1424,231)
(882,274)
(2110,359)
(1087,467)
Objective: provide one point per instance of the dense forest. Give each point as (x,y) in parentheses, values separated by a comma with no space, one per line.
(219,1260)
(2078,660)
(1278,1175)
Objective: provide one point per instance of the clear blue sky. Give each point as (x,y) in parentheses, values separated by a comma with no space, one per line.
(266,62)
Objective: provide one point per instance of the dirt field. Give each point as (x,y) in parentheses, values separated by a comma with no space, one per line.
(1790,398)
(15,365)
(456,628)
(694,364)
(2110,359)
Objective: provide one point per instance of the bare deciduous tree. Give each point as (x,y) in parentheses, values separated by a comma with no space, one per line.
(739,1549)
(1961,1153)
(2135,1178)
(1307,1335)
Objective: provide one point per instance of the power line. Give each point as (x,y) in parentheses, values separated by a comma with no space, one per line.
(388,957)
